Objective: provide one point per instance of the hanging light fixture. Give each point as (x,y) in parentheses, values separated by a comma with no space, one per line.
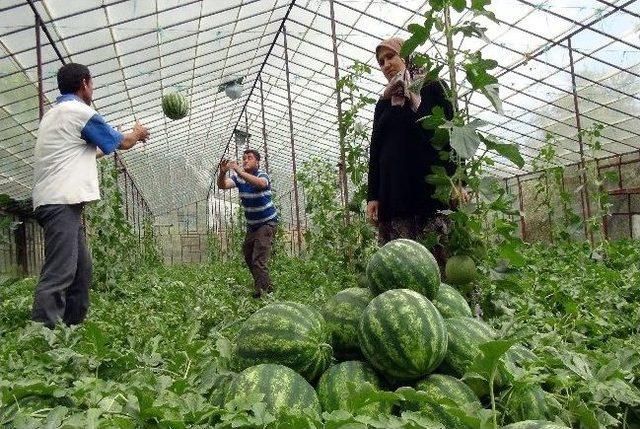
(233,88)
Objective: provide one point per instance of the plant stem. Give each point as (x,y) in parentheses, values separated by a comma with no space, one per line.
(493,397)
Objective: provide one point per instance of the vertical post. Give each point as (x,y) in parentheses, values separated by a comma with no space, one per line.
(584,193)
(342,170)
(246,129)
(126,197)
(546,184)
(293,150)
(264,128)
(291,224)
(20,235)
(523,224)
(39,60)
(605,228)
(620,187)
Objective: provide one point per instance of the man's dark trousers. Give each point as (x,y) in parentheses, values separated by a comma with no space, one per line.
(257,249)
(63,288)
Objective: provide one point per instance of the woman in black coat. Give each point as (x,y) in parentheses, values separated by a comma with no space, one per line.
(400,201)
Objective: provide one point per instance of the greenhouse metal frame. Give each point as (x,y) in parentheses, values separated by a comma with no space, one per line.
(563,67)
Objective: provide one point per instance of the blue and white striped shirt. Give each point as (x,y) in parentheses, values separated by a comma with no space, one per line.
(257,203)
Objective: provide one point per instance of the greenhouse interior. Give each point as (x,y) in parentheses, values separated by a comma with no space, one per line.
(320,214)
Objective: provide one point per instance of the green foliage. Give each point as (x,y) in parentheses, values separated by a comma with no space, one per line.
(473,224)
(330,234)
(580,317)
(552,196)
(114,248)
(116,251)
(155,352)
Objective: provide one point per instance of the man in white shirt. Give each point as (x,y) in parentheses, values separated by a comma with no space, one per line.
(70,137)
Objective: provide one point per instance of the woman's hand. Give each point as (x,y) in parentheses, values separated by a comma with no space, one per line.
(372,212)
(459,195)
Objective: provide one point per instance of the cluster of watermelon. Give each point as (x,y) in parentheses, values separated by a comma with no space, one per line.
(406,329)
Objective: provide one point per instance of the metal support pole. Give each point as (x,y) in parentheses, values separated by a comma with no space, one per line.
(264,128)
(293,150)
(342,169)
(584,193)
(246,129)
(291,224)
(126,197)
(39,60)
(20,235)
(523,224)
(546,184)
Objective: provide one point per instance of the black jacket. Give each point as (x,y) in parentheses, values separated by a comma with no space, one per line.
(401,156)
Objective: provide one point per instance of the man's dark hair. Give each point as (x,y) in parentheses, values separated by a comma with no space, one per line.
(71,76)
(254,152)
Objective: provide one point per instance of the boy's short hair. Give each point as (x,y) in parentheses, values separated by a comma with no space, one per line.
(254,152)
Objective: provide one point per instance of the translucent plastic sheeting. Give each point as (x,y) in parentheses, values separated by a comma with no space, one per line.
(138,50)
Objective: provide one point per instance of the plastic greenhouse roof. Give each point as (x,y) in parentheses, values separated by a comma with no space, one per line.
(139,49)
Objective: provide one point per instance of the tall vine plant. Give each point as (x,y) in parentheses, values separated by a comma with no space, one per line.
(115,249)
(469,146)
(330,235)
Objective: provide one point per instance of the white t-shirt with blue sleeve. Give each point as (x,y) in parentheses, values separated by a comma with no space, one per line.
(65,168)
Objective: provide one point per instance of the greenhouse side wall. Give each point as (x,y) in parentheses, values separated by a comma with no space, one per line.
(539,198)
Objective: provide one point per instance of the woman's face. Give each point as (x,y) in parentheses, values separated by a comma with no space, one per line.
(390,62)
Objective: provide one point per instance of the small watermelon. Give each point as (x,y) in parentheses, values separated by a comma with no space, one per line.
(175,105)
(535,424)
(342,313)
(526,402)
(450,303)
(460,271)
(404,264)
(402,334)
(284,390)
(334,392)
(287,333)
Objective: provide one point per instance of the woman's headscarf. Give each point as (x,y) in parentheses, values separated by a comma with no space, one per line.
(398,88)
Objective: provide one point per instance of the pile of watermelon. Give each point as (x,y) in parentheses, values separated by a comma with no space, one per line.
(407,329)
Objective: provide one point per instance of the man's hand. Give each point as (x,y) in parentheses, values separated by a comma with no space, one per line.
(141,132)
(223,166)
(233,165)
(372,212)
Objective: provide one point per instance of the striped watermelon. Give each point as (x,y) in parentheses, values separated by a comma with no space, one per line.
(175,105)
(466,334)
(526,403)
(535,424)
(284,390)
(288,333)
(450,303)
(342,313)
(402,334)
(404,264)
(334,392)
(441,388)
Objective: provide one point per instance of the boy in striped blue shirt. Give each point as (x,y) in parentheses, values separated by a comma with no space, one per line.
(254,188)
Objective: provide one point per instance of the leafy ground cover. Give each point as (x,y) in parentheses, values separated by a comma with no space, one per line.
(157,351)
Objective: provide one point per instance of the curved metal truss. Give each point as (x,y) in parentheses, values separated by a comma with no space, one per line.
(551,54)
